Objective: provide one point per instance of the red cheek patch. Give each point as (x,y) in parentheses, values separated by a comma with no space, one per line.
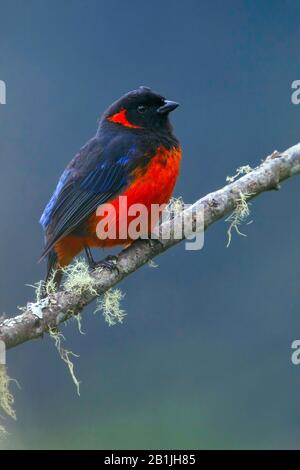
(120,118)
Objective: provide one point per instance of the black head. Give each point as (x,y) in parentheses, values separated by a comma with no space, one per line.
(141,109)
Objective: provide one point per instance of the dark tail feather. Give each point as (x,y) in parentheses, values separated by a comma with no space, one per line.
(54,273)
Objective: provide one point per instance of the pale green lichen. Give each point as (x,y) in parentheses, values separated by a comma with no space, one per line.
(175,206)
(78,278)
(239,215)
(110,306)
(43,289)
(78,319)
(42,300)
(50,287)
(242,170)
(6,397)
(38,290)
(65,355)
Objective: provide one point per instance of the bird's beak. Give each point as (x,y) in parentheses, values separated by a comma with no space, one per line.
(168,107)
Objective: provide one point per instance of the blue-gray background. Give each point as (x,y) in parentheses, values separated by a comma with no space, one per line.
(203,358)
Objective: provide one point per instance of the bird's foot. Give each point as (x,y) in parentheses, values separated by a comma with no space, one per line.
(110,262)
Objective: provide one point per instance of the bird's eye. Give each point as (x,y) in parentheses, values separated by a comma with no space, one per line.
(141,108)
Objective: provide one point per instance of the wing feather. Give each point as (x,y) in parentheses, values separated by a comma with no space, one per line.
(78,197)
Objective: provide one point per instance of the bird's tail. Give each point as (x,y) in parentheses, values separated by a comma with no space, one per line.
(54,272)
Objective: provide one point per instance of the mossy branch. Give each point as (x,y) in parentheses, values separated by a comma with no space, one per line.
(42,316)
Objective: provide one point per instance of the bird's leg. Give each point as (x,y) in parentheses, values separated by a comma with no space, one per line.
(109,262)
(92,263)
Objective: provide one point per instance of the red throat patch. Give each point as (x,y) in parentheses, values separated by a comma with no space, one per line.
(120,118)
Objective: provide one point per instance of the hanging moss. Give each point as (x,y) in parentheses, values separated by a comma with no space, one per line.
(239,215)
(110,306)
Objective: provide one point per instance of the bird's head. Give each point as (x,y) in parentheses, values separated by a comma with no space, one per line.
(140,109)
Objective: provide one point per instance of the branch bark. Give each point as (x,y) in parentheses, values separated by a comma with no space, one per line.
(59,307)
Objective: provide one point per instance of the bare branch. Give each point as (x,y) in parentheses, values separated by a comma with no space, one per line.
(58,307)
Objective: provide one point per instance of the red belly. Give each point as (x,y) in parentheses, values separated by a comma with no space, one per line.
(153,185)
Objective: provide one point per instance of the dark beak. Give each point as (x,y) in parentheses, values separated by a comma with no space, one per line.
(168,107)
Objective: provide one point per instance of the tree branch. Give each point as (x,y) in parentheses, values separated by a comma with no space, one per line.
(58,307)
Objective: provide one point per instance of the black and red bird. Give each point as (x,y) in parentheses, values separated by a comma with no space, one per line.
(134,153)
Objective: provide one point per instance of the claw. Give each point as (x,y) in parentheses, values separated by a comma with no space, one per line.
(109,262)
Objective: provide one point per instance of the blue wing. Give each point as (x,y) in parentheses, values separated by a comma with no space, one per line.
(47,214)
(91,179)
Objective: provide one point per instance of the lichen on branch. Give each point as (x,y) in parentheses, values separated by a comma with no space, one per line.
(110,306)
(240,213)
(65,355)
(6,397)
(73,297)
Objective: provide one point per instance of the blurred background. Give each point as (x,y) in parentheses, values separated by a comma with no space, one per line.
(203,358)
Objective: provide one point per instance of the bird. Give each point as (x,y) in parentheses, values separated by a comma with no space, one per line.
(133,154)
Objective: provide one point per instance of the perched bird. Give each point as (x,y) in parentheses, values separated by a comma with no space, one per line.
(134,153)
